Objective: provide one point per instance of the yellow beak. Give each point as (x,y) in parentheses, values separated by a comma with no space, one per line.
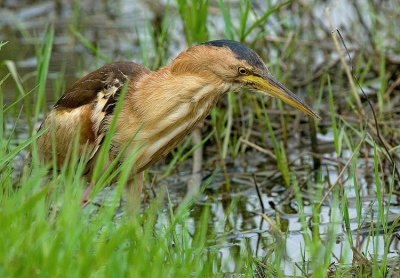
(268,85)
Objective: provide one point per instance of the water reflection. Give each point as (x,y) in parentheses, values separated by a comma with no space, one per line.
(122,30)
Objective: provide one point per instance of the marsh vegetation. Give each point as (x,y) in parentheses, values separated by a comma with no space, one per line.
(282,195)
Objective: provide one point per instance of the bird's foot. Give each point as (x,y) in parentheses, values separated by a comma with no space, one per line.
(84,203)
(85,197)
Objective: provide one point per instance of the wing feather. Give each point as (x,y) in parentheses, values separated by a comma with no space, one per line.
(96,94)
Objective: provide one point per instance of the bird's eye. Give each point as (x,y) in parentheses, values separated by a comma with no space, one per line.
(242,71)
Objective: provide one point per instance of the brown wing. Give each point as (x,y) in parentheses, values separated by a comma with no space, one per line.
(83,109)
(85,90)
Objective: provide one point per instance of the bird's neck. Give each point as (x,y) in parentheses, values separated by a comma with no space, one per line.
(167,108)
(162,96)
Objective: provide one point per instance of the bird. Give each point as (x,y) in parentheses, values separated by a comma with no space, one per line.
(158,109)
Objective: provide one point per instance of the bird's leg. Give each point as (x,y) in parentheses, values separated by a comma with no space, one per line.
(194,183)
(85,197)
(134,190)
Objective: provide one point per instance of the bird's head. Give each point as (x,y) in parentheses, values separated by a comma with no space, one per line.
(234,63)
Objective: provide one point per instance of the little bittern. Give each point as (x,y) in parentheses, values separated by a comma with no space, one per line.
(159,108)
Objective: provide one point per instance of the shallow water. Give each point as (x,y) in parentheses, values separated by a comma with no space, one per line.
(118,28)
